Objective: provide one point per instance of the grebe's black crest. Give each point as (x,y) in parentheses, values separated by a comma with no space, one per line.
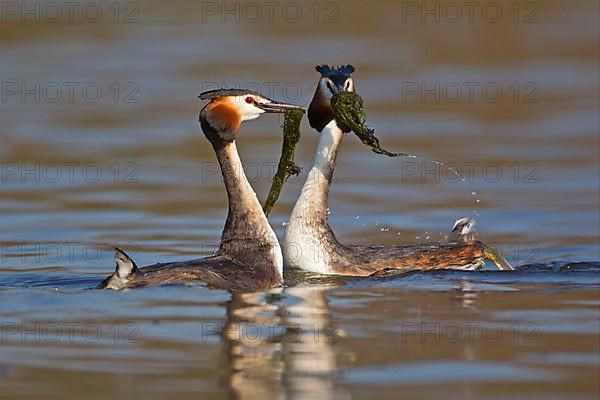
(333,80)
(328,71)
(337,75)
(213,94)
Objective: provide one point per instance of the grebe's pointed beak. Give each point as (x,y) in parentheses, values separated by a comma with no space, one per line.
(278,107)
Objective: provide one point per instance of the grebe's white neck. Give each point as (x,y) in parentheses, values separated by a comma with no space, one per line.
(308,237)
(315,191)
(247,234)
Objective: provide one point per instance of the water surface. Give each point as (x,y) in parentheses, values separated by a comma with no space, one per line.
(131,167)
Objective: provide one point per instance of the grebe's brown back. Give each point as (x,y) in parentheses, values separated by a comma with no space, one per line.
(310,244)
(249,256)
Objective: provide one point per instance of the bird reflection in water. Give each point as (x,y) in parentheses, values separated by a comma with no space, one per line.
(278,344)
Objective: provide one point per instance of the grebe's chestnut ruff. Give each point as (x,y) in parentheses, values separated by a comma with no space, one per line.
(249,256)
(310,244)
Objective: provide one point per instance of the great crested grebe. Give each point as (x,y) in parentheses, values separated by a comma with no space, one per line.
(310,244)
(249,256)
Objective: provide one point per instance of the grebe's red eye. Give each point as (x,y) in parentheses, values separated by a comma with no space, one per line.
(249,100)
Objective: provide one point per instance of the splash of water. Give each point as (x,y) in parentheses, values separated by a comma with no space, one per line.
(349,109)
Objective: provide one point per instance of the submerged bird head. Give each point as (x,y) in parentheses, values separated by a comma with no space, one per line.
(228,108)
(333,80)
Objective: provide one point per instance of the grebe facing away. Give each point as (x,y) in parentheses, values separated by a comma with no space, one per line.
(310,244)
(249,257)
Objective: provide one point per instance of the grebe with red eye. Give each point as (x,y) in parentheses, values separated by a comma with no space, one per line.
(249,256)
(310,244)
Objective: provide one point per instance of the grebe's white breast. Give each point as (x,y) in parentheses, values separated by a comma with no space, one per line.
(303,245)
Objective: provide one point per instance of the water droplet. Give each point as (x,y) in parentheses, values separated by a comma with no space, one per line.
(356,216)
(284,224)
(328,211)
